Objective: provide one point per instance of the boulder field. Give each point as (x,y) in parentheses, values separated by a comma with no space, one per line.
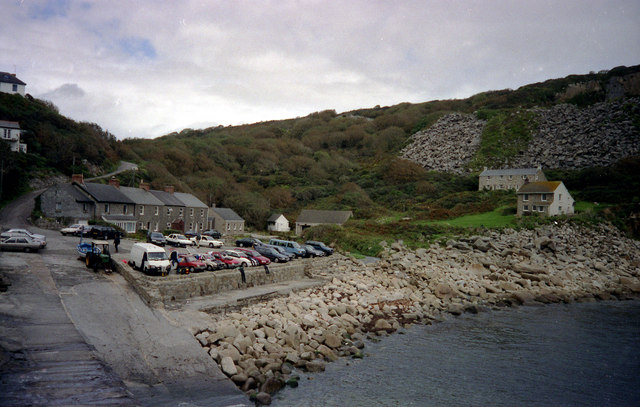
(260,346)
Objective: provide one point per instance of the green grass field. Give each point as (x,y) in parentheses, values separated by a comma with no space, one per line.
(493,219)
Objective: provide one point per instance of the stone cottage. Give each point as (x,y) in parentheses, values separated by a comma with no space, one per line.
(309,218)
(511,178)
(546,198)
(226,221)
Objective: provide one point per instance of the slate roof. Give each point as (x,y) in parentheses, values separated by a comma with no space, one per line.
(6,77)
(227,214)
(167,198)
(541,187)
(75,193)
(105,193)
(140,196)
(189,200)
(509,171)
(333,217)
(9,125)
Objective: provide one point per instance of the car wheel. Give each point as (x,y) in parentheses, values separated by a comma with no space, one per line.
(193,243)
(191,269)
(209,268)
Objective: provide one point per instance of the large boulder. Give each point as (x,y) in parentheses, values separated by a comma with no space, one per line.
(228,367)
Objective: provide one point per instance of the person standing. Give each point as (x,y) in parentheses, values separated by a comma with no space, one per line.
(116,241)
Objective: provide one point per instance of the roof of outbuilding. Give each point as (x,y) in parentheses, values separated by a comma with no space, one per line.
(275,217)
(314,216)
(140,196)
(6,77)
(105,193)
(541,187)
(509,171)
(167,198)
(227,214)
(9,125)
(190,200)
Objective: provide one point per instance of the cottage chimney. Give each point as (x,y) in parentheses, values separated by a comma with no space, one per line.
(169,188)
(144,185)
(77,178)
(485,168)
(114,182)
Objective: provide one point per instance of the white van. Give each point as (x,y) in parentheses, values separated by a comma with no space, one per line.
(149,258)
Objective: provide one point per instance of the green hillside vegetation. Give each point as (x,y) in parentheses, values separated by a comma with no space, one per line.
(54,143)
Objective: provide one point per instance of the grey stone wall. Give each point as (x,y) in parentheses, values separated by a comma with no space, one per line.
(68,207)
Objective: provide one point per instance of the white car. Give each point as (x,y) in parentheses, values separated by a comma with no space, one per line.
(25,232)
(176,239)
(74,229)
(240,256)
(205,240)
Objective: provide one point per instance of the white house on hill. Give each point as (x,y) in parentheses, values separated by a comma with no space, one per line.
(10,84)
(278,223)
(10,132)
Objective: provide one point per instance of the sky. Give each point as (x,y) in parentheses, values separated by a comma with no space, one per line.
(146,68)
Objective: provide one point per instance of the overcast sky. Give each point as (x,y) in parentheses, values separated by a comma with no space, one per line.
(145,68)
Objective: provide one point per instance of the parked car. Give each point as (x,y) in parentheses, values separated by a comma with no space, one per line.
(149,258)
(104,232)
(229,261)
(187,263)
(213,233)
(211,262)
(191,233)
(22,244)
(248,242)
(312,251)
(242,257)
(24,232)
(75,229)
(177,239)
(262,260)
(290,246)
(320,246)
(205,240)
(282,251)
(156,238)
(272,254)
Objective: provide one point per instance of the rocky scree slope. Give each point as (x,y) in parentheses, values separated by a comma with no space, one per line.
(259,346)
(566,137)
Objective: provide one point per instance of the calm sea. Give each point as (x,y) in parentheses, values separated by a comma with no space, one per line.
(558,355)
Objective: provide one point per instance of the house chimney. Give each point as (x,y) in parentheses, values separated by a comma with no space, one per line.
(169,188)
(77,178)
(114,182)
(144,185)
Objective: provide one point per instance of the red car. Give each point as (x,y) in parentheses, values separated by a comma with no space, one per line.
(255,255)
(228,260)
(187,263)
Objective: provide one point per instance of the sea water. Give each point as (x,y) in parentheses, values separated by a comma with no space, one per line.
(584,354)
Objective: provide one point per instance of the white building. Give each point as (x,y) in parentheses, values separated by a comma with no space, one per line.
(546,198)
(10,132)
(10,84)
(278,223)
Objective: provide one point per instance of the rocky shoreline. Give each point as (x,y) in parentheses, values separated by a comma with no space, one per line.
(260,346)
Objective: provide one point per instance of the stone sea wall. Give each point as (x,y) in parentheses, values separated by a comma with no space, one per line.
(259,346)
(566,137)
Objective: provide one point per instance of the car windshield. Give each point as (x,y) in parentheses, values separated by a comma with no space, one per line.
(156,235)
(183,237)
(157,255)
(253,253)
(190,259)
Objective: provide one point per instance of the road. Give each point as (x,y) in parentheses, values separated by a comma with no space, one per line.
(69,336)
(124,166)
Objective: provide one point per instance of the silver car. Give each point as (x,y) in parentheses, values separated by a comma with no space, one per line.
(22,244)
(25,232)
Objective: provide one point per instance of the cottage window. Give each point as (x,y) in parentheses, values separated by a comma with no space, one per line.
(544,197)
(191,212)
(15,87)
(228,226)
(124,209)
(560,209)
(168,225)
(526,208)
(181,211)
(168,211)
(58,206)
(510,176)
(560,197)
(525,197)
(141,210)
(106,208)
(235,227)
(85,207)
(191,226)
(202,212)
(157,210)
(241,227)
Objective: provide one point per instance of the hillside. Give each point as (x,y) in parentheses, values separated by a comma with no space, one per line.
(55,143)
(350,160)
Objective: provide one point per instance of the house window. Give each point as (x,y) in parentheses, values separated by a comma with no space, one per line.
(124,209)
(58,206)
(510,176)
(235,227)
(560,209)
(202,212)
(181,211)
(191,226)
(141,210)
(168,211)
(228,226)
(191,212)
(106,208)
(544,197)
(168,225)
(85,208)
(560,197)
(525,197)
(240,227)
(157,210)
(526,208)
(15,87)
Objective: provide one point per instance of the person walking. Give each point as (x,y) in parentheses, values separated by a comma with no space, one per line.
(241,269)
(116,241)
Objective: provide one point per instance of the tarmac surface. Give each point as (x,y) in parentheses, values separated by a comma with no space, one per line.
(69,336)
